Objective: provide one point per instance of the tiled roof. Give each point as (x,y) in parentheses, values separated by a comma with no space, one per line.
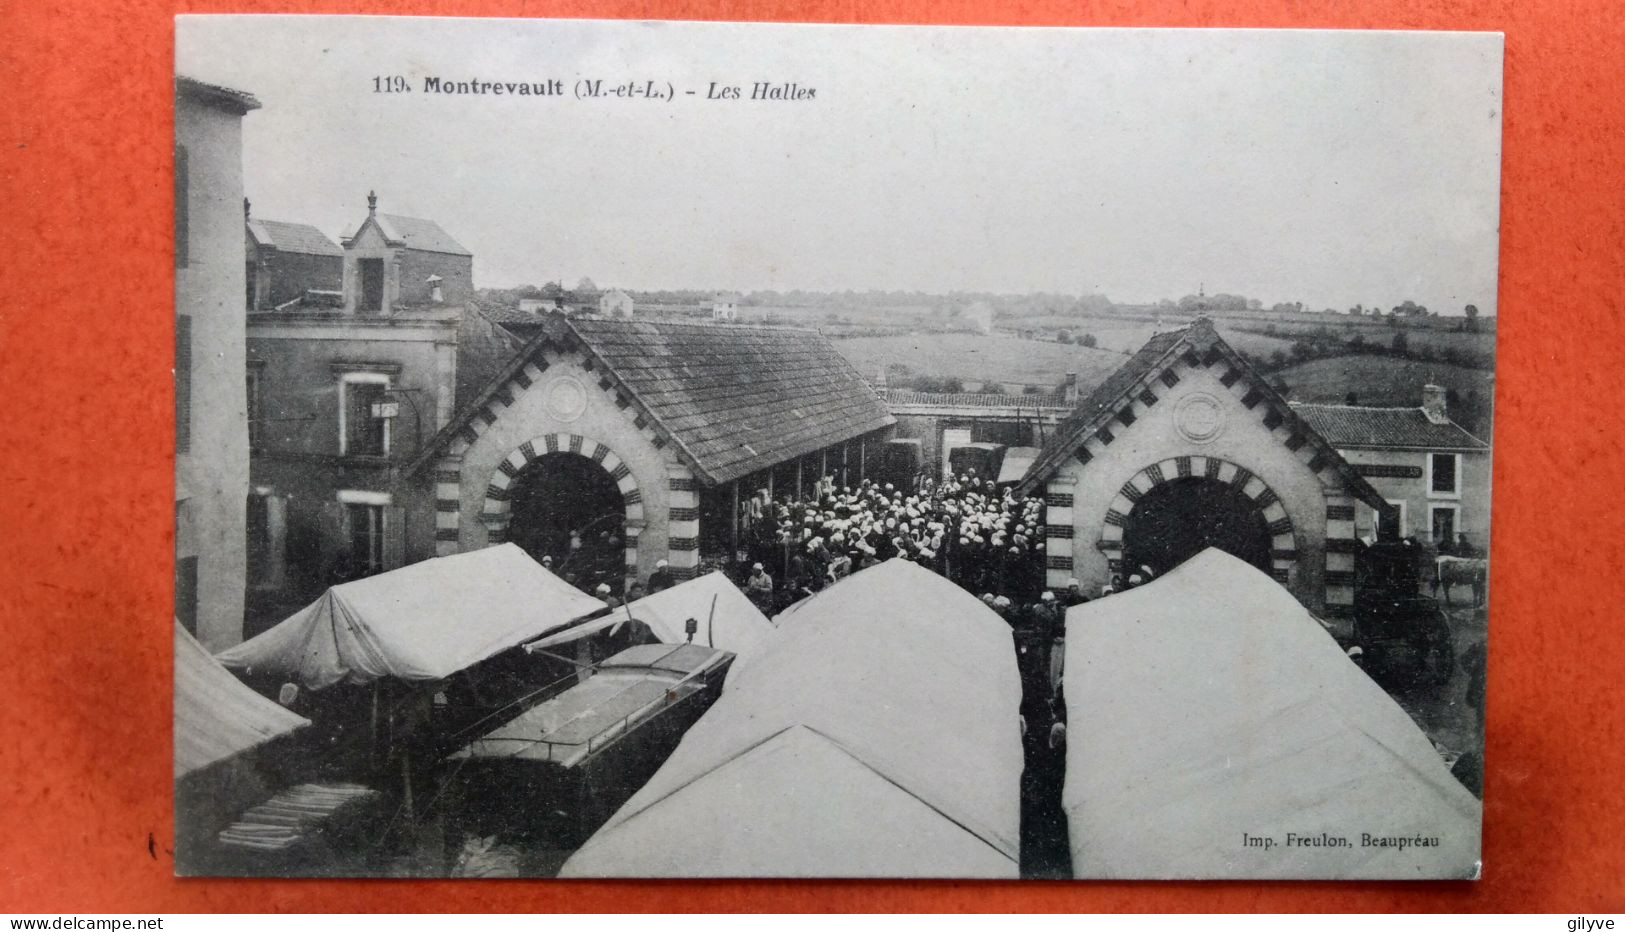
(512,317)
(294,237)
(418,233)
(733,399)
(737,399)
(216,94)
(1080,423)
(1349,426)
(899,396)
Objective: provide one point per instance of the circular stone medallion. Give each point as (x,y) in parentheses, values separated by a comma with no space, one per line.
(1199,417)
(566,399)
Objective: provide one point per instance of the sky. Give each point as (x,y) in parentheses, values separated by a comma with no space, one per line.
(1331,168)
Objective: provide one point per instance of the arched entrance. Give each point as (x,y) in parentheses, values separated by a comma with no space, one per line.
(556,484)
(1180,518)
(565,506)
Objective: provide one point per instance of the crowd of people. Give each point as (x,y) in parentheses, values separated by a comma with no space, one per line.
(984,538)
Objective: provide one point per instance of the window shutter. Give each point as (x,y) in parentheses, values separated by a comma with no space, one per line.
(183,209)
(334,537)
(183,383)
(394,537)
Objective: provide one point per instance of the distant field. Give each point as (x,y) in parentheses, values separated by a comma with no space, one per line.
(1128,335)
(1379,380)
(981,358)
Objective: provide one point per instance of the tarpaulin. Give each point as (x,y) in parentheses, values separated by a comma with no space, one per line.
(724,617)
(425,621)
(216,716)
(1216,730)
(874,734)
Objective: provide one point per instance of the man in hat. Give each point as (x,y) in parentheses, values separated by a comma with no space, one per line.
(759,588)
(1048,616)
(661,578)
(1074,593)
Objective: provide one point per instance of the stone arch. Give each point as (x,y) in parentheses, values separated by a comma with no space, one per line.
(1283,536)
(497,512)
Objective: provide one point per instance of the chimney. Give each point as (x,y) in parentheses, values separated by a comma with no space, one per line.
(1070,388)
(880,378)
(1433,404)
(247,213)
(372,203)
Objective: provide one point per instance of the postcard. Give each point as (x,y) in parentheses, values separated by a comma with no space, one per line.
(660,449)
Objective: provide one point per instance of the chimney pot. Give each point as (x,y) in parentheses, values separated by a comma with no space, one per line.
(372,203)
(1071,389)
(1434,405)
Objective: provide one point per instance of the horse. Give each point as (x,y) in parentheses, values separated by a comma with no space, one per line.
(1456,571)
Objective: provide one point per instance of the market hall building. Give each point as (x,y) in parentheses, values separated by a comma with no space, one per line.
(1187,446)
(650,432)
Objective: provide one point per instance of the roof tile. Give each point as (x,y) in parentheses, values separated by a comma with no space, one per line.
(1350,426)
(418,233)
(294,237)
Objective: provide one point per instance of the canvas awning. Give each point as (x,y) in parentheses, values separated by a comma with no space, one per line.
(878,736)
(726,618)
(216,716)
(425,621)
(1017,460)
(1209,709)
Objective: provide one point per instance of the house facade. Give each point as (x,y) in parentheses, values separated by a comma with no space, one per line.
(616,303)
(340,400)
(725,308)
(288,261)
(211,427)
(1433,473)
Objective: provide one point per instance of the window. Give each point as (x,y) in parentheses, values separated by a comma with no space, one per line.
(186,593)
(182,209)
(258,532)
(183,383)
(372,284)
(1394,527)
(1442,519)
(366,531)
(252,406)
(361,431)
(1444,474)
(185,568)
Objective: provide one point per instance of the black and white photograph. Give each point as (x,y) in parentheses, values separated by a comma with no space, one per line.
(727,450)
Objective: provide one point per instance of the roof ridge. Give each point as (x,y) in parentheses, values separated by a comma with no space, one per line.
(695,323)
(1319,404)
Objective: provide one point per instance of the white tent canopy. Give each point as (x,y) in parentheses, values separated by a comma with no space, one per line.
(216,716)
(1209,708)
(877,736)
(425,621)
(735,624)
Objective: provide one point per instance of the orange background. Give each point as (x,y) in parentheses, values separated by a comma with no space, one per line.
(85,518)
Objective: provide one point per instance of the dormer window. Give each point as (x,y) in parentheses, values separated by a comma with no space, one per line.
(371,272)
